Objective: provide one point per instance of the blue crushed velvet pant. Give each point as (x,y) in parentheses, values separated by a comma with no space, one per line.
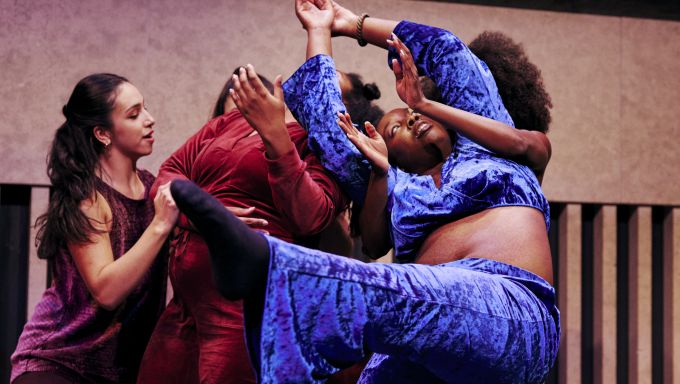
(469,321)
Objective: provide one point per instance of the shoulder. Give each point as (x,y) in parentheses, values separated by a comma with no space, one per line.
(98,211)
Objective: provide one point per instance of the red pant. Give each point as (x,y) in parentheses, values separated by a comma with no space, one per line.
(199,338)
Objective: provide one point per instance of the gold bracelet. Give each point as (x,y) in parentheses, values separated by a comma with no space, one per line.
(360,30)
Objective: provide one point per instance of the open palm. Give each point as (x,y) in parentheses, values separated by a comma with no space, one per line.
(372,145)
(314,13)
(406,74)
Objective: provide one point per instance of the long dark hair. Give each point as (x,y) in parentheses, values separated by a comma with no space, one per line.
(519,81)
(218,110)
(72,162)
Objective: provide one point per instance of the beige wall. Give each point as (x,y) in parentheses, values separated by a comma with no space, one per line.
(614,81)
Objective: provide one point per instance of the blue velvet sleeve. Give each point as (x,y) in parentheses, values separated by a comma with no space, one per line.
(464,81)
(313,96)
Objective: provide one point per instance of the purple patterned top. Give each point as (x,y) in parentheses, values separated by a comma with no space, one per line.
(69,330)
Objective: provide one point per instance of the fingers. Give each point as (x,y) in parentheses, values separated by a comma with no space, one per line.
(323,4)
(253,222)
(345,122)
(409,67)
(237,211)
(398,44)
(164,194)
(243,80)
(371,131)
(242,214)
(255,82)
(237,92)
(246,86)
(278,88)
(396,68)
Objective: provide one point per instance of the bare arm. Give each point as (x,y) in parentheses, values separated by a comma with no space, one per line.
(374,30)
(316,18)
(373,220)
(111,281)
(375,233)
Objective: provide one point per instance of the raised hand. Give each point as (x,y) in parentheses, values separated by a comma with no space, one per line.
(372,146)
(314,14)
(264,111)
(406,75)
(344,21)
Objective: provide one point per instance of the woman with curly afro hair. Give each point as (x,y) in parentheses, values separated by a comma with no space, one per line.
(519,81)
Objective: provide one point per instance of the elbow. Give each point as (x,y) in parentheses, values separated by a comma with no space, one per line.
(107,302)
(373,250)
(314,222)
(519,148)
(105,298)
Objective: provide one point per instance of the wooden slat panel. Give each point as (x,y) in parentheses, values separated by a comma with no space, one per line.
(604,300)
(569,300)
(37,268)
(671,296)
(640,296)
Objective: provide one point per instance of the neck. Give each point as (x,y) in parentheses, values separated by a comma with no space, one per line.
(118,171)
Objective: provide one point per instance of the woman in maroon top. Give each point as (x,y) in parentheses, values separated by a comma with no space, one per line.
(102,235)
(255,156)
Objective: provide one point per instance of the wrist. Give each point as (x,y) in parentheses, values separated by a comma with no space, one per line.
(318,31)
(349,29)
(421,106)
(160,227)
(380,169)
(277,143)
(359,31)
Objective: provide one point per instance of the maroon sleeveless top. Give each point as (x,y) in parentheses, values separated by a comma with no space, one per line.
(70,331)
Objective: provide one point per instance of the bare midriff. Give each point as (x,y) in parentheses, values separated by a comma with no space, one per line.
(512,235)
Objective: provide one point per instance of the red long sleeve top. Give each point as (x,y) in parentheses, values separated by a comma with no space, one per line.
(226,158)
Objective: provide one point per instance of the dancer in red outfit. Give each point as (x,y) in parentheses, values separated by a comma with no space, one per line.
(240,159)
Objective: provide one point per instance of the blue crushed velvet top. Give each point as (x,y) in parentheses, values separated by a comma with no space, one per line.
(473,178)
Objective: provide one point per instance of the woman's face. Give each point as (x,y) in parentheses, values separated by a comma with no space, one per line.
(414,142)
(132,133)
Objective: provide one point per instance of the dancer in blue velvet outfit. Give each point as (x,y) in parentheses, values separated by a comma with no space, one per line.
(485,313)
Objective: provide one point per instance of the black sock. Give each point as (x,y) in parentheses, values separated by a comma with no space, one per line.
(239,255)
